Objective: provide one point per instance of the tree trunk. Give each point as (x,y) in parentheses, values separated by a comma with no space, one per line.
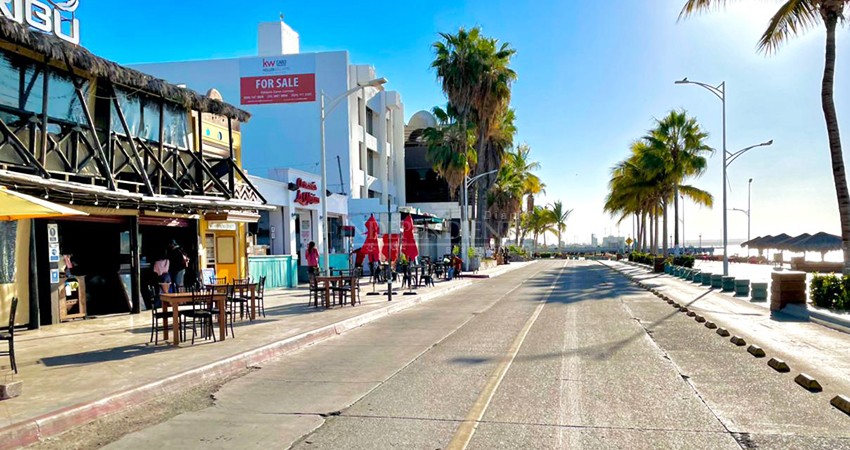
(676,215)
(664,236)
(831,19)
(657,243)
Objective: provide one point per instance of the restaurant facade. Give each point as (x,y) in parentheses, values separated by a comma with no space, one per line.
(147,164)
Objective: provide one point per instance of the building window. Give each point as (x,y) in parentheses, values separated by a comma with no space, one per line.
(370,169)
(360,111)
(335,228)
(370,125)
(374,194)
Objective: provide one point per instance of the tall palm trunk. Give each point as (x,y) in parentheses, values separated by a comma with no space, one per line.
(830,18)
(664,236)
(676,215)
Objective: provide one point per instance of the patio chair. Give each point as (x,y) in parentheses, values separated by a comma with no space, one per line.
(221,280)
(9,336)
(157,314)
(229,312)
(350,287)
(240,295)
(260,295)
(315,291)
(201,312)
(428,276)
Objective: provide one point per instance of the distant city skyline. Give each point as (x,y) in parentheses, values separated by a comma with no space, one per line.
(584,91)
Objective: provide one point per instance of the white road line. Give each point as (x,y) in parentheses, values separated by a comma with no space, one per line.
(467,428)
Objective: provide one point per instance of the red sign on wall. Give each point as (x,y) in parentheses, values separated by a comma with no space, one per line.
(269,89)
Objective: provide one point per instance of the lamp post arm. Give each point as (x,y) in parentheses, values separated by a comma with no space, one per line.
(719,91)
(733,156)
(475,178)
(336,101)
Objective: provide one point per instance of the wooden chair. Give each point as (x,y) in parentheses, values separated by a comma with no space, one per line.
(9,336)
(240,295)
(351,287)
(157,315)
(428,276)
(260,294)
(316,291)
(229,312)
(214,280)
(202,307)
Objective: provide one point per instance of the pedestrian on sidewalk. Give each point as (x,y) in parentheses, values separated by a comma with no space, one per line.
(178,261)
(312,258)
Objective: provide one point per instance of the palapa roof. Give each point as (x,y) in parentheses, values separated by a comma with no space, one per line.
(80,58)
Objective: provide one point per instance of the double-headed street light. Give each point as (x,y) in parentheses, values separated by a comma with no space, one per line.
(377,83)
(720,92)
(464,213)
(748,210)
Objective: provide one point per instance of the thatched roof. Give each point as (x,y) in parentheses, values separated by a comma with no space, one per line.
(61,51)
(791,244)
(819,242)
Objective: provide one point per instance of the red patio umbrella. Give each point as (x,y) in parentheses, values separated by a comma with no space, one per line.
(370,247)
(408,240)
(395,249)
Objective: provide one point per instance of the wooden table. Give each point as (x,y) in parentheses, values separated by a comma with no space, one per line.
(175,300)
(327,282)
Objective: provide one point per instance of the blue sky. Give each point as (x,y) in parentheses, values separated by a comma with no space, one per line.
(592,76)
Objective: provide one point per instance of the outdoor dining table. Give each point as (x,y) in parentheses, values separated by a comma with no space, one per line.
(174,300)
(327,283)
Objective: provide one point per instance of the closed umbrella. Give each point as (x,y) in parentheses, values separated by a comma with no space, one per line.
(391,246)
(371,247)
(17,206)
(408,240)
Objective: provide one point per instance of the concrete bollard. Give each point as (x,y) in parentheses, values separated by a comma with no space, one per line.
(717,281)
(706,278)
(690,275)
(697,278)
(742,288)
(759,292)
(728,284)
(786,288)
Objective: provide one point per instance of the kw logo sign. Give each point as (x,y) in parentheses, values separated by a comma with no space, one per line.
(274,63)
(39,15)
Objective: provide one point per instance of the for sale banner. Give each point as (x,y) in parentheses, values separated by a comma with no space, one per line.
(279,79)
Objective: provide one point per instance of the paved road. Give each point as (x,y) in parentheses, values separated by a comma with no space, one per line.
(560,354)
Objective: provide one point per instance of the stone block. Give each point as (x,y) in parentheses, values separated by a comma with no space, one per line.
(699,319)
(722,332)
(841,402)
(710,325)
(808,382)
(778,365)
(756,351)
(727,284)
(11,389)
(738,340)
(717,281)
(692,314)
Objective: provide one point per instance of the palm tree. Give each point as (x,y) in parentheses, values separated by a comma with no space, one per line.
(475,75)
(683,141)
(519,163)
(540,221)
(504,198)
(792,18)
(450,148)
(560,216)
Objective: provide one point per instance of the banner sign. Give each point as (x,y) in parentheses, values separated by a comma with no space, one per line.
(41,16)
(280,79)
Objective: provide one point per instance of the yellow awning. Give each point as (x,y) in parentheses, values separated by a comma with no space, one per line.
(17,206)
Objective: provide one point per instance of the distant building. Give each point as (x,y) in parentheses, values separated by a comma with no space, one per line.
(593,241)
(614,242)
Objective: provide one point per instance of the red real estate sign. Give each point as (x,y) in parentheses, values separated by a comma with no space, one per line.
(278,89)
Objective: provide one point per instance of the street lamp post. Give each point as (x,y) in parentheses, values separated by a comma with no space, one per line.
(377,83)
(720,92)
(748,211)
(464,214)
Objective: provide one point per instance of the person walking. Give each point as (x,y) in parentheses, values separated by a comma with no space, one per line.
(312,255)
(178,261)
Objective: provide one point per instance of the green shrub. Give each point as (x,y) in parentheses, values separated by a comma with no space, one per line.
(829,291)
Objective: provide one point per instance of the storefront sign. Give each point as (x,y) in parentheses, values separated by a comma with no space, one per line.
(303,196)
(282,79)
(39,15)
(221,226)
(54,276)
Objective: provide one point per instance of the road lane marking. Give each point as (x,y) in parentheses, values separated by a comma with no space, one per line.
(467,428)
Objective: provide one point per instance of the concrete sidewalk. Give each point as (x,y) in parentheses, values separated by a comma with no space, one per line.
(76,372)
(805,345)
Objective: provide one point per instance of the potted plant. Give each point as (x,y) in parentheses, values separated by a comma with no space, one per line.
(473,260)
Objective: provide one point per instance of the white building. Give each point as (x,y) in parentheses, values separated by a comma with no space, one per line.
(281,88)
